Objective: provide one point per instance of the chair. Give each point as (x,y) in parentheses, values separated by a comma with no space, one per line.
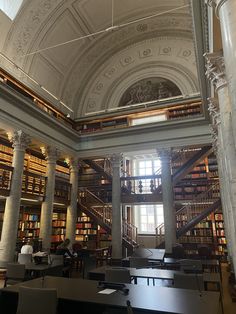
(138,262)
(121,275)
(191,266)
(37,301)
(15,273)
(204,252)
(55,260)
(189,281)
(24,258)
(178,251)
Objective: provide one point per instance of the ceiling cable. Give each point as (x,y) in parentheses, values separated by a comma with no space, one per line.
(111,28)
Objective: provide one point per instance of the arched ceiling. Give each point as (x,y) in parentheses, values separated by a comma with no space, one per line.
(92,73)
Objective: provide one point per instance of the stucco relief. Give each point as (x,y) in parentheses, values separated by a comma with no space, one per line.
(149,89)
(177,62)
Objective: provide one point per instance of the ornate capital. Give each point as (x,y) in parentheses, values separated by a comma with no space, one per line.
(116,160)
(215,66)
(213,108)
(73,163)
(51,153)
(217,4)
(19,139)
(164,154)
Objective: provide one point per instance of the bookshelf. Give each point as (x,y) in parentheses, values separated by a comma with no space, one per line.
(185,111)
(219,234)
(29,225)
(86,229)
(58,227)
(6,154)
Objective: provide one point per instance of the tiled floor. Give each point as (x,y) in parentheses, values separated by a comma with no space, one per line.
(229,306)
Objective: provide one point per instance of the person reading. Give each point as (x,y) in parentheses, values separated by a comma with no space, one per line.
(27,248)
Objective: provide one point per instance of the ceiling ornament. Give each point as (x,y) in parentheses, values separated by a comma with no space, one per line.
(111,28)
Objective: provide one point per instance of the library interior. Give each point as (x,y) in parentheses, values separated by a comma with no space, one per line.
(118,156)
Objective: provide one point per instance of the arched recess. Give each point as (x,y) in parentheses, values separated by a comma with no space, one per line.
(180,76)
(167,57)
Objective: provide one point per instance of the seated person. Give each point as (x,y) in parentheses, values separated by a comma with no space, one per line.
(63,249)
(27,248)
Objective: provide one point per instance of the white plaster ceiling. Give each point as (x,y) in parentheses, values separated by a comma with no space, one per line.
(85,71)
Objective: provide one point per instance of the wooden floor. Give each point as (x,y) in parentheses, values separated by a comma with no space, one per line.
(229,306)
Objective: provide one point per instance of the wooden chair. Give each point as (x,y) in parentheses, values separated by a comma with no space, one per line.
(15,273)
(189,281)
(37,301)
(121,275)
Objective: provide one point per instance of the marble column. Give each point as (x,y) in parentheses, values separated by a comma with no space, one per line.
(72,208)
(226,12)
(51,156)
(217,143)
(20,141)
(116,207)
(222,119)
(168,199)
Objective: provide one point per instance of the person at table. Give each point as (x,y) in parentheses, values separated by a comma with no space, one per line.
(63,249)
(27,248)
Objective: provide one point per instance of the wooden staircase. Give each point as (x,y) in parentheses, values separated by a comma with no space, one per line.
(100,212)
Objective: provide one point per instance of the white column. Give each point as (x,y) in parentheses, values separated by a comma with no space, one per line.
(72,208)
(20,141)
(52,155)
(226,12)
(168,199)
(116,208)
(223,121)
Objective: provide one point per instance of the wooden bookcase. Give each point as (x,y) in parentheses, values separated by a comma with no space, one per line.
(86,229)
(219,234)
(58,227)
(29,224)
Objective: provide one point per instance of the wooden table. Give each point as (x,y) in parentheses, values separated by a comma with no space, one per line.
(149,273)
(81,296)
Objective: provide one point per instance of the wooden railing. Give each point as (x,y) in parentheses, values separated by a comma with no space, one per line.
(140,184)
(129,232)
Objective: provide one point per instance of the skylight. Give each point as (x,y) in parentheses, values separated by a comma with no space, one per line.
(10,7)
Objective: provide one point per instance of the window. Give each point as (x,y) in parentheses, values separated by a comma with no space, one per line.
(148,217)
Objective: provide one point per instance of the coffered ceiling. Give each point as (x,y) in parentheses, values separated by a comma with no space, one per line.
(87,53)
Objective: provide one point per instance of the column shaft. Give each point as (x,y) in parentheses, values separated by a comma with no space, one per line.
(72,208)
(47,205)
(116,208)
(168,200)
(12,207)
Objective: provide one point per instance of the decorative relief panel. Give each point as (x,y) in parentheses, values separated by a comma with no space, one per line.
(149,89)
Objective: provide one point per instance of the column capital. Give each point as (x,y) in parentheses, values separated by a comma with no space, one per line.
(217,4)
(19,139)
(213,108)
(73,163)
(51,153)
(116,160)
(165,154)
(215,66)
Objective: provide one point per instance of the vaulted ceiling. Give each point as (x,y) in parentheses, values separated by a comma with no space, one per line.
(132,40)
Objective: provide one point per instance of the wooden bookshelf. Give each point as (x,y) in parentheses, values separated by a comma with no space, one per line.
(58,227)
(29,225)
(86,229)
(219,234)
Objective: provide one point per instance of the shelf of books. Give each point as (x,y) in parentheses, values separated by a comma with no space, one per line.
(86,229)
(29,225)
(219,234)
(58,227)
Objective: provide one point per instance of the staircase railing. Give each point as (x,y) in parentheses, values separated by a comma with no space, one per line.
(103,213)
(192,209)
(140,184)
(129,232)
